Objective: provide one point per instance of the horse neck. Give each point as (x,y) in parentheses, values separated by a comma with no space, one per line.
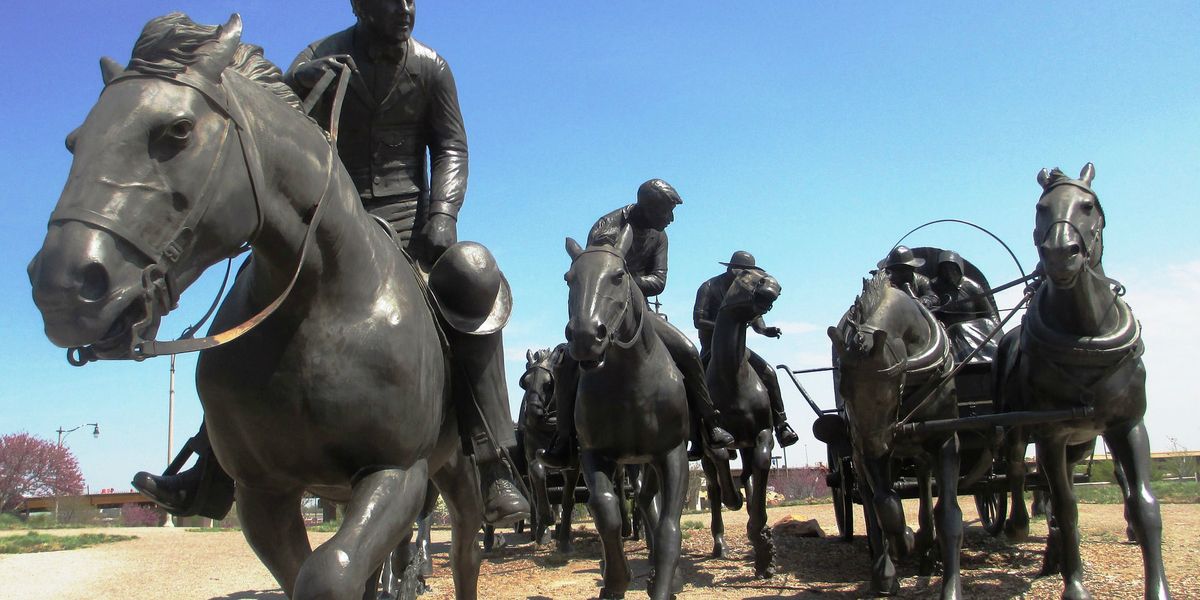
(635,321)
(728,353)
(1088,308)
(295,164)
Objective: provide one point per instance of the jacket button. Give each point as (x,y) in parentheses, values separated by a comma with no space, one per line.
(378,180)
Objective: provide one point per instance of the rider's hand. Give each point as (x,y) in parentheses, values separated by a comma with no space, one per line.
(440,232)
(772,332)
(309,73)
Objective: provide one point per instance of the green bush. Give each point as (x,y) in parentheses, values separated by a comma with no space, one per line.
(10,521)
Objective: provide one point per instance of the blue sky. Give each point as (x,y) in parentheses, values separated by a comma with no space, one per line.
(811,134)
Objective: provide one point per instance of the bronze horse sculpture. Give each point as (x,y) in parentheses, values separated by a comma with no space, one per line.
(630,409)
(537,426)
(193,151)
(1078,346)
(892,354)
(740,395)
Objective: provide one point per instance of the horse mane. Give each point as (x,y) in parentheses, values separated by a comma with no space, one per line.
(170,44)
(873,294)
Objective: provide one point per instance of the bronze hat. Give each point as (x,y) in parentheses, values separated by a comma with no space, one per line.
(472,293)
(741,260)
(901,255)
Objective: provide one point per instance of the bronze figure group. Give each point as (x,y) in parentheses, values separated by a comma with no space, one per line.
(359,352)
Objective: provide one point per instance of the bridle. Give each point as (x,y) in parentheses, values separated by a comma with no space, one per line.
(160,290)
(637,332)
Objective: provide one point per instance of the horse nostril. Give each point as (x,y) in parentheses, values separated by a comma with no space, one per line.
(567,332)
(93,282)
(1073,249)
(601,332)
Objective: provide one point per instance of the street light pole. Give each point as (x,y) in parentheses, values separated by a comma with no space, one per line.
(171,413)
(63,433)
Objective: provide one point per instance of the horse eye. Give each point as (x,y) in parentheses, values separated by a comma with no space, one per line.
(1087,205)
(618,277)
(180,129)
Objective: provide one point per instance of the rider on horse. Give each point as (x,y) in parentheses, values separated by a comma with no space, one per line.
(403,104)
(646,262)
(901,265)
(964,307)
(708,303)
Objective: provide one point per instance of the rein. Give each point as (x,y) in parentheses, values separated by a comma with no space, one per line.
(157,278)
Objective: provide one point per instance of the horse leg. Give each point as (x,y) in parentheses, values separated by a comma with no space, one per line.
(570,480)
(1123,483)
(274,528)
(716,523)
(925,537)
(883,570)
(1016,527)
(1131,447)
(382,506)
(1052,456)
(758,462)
(889,521)
(599,472)
(650,508)
(730,495)
(626,520)
(672,477)
(543,516)
(949,517)
(459,484)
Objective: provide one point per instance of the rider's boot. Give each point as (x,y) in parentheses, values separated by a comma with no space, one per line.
(481,400)
(566,380)
(699,402)
(783,432)
(205,489)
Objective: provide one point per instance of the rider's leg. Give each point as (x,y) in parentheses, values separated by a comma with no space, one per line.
(783,431)
(204,489)
(688,361)
(566,380)
(481,399)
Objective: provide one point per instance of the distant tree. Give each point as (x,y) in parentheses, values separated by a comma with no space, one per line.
(31,467)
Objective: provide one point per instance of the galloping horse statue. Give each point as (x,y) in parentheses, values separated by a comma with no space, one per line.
(536,422)
(891,354)
(630,409)
(1078,346)
(193,151)
(739,393)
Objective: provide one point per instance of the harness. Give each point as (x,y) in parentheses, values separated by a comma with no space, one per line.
(160,290)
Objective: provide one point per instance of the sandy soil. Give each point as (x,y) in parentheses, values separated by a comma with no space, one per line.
(174,563)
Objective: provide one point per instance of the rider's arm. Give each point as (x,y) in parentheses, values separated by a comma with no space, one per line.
(703,317)
(447,144)
(654,281)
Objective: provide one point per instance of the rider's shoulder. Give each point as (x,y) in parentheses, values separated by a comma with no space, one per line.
(341,42)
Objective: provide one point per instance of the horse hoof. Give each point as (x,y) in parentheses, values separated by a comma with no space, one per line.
(766,573)
(1075,591)
(1016,533)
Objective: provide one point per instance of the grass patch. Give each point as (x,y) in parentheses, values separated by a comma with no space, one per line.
(40,542)
(211,529)
(331,526)
(1167,492)
(691,525)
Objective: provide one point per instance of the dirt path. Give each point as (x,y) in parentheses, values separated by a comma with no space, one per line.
(173,563)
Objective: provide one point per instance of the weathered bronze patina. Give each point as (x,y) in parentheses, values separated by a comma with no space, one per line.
(1078,346)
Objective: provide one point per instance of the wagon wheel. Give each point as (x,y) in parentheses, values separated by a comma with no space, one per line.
(992,508)
(843,501)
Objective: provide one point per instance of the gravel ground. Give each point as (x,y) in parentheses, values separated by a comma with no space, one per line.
(173,563)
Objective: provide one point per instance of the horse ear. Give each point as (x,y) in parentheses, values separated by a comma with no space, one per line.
(110,69)
(836,337)
(1044,178)
(1088,173)
(229,38)
(529,356)
(573,249)
(879,340)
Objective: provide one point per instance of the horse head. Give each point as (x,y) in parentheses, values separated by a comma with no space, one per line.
(147,206)
(538,383)
(751,295)
(1068,225)
(602,293)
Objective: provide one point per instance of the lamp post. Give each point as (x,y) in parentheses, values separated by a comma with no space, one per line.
(63,433)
